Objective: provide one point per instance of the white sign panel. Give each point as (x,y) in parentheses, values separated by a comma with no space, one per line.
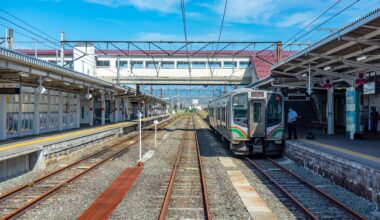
(369,88)
(9,85)
(195,101)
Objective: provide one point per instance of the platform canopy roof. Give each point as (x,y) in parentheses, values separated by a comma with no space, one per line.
(352,49)
(29,71)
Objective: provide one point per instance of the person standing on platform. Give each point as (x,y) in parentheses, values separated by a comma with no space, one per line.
(374,120)
(292,128)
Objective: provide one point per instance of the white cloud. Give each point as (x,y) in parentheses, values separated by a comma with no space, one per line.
(165,6)
(281,13)
(243,11)
(157,36)
(301,19)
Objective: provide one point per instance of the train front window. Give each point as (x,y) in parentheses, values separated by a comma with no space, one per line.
(274,114)
(239,107)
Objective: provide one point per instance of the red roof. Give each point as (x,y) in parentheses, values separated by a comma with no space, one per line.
(263,62)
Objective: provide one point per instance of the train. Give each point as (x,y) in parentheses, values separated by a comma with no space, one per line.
(252,121)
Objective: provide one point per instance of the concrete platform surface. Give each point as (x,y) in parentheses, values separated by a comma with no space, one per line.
(22,146)
(364,151)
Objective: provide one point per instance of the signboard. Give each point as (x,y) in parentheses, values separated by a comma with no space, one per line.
(9,88)
(361,77)
(9,85)
(352,110)
(369,88)
(327,82)
(195,101)
(9,91)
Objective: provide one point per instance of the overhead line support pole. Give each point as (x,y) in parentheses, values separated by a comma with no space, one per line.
(62,48)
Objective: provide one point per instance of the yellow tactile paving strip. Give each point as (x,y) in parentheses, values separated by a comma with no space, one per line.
(256,207)
(227,162)
(67,134)
(350,152)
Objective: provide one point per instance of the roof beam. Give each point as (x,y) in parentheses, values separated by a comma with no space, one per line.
(299,77)
(347,56)
(371,27)
(349,62)
(339,48)
(365,41)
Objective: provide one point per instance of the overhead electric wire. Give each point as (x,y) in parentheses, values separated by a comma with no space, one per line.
(312,22)
(183,12)
(38,35)
(327,20)
(219,36)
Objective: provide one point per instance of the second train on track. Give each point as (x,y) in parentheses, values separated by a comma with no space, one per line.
(251,120)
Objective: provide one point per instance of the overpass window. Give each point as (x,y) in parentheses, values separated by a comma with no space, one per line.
(228,64)
(239,107)
(215,64)
(182,65)
(167,65)
(52,61)
(244,64)
(122,63)
(152,65)
(137,64)
(199,65)
(103,63)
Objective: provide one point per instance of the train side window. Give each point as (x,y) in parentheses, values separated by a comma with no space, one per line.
(240,106)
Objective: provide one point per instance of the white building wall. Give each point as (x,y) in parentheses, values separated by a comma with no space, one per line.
(84,59)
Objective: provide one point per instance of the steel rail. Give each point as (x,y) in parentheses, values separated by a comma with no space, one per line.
(44,195)
(335,201)
(165,204)
(283,190)
(204,188)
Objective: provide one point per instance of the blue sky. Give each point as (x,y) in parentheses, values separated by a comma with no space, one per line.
(248,20)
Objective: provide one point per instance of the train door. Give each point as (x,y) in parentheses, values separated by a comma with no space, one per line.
(257,118)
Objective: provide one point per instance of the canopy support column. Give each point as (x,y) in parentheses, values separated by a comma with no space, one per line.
(330,111)
(103,109)
(3,117)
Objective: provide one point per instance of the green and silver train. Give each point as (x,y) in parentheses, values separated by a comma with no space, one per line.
(251,120)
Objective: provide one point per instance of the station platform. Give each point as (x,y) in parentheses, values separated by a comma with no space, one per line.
(354,164)
(363,151)
(24,154)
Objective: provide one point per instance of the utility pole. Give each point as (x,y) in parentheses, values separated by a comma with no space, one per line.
(62,49)
(279,51)
(9,38)
(118,70)
(35,49)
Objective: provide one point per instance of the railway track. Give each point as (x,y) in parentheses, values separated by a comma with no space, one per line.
(186,195)
(312,202)
(13,203)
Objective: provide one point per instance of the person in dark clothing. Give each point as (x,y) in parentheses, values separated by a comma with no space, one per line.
(292,128)
(374,119)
